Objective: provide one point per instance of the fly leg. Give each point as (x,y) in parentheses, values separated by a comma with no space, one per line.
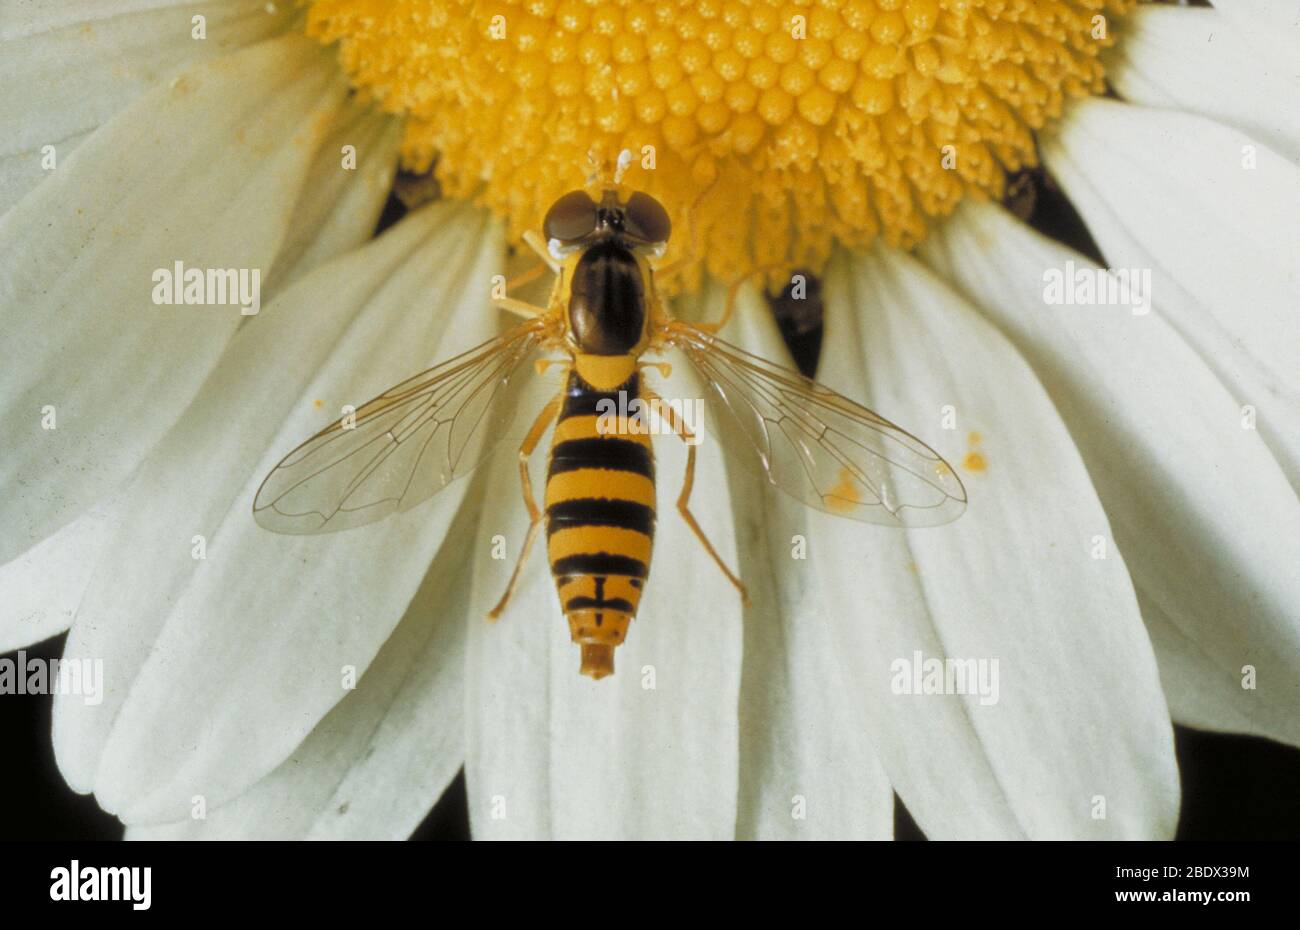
(683,500)
(692,234)
(520,307)
(729,307)
(544,420)
(538,245)
(526,277)
(733,291)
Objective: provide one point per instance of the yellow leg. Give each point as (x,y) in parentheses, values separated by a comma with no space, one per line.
(683,499)
(532,274)
(733,290)
(518,307)
(538,245)
(665,369)
(692,240)
(534,513)
(730,305)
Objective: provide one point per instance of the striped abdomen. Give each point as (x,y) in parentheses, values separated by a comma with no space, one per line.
(600,516)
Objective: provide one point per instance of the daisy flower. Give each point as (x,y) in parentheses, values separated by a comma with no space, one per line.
(1127,428)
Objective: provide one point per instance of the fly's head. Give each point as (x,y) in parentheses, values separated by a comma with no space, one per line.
(576,222)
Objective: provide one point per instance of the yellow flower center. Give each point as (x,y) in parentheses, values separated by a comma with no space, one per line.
(781,127)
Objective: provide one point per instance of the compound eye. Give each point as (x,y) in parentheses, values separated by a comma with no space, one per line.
(647,219)
(571,217)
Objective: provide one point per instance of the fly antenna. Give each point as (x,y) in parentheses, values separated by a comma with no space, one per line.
(597,170)
(624,162)
(599,175)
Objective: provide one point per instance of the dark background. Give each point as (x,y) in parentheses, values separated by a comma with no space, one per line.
(1234,787)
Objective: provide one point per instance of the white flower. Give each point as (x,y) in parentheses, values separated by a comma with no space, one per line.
(1168,439)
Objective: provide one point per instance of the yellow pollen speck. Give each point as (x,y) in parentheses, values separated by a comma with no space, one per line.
(844,496)
(974,460)
(857,119)
(318,403)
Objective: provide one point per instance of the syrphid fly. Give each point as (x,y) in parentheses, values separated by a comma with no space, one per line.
(603,315)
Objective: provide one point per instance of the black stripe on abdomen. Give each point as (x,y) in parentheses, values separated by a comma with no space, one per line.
(582,400)
(614,603)
(608,452)
(599,563)
(600,511)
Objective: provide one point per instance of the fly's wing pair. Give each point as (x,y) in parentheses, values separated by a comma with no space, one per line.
(416,438)
(409,442)
(818,446)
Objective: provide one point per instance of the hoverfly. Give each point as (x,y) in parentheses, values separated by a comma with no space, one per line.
(599,499)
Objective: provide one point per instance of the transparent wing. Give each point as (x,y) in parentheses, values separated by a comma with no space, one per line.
(818,446)
(405,445)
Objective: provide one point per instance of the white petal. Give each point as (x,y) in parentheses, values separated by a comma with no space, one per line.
(79,255)
(1224,233)
(1079,713)
(1271,26)
(1262,399)
(378,761)
(807,767)
(43,586)
(1217,337)
(340,206)
(34,17)
(237,656)
(1205,690)
(650,752)
(1208,525)
(508,701)
(21,170)
(1192,59)
(79,67)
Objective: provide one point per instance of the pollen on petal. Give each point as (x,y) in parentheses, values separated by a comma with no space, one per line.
(816,123)
(845,496)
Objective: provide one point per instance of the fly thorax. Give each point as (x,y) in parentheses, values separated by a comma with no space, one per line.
(607,300)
